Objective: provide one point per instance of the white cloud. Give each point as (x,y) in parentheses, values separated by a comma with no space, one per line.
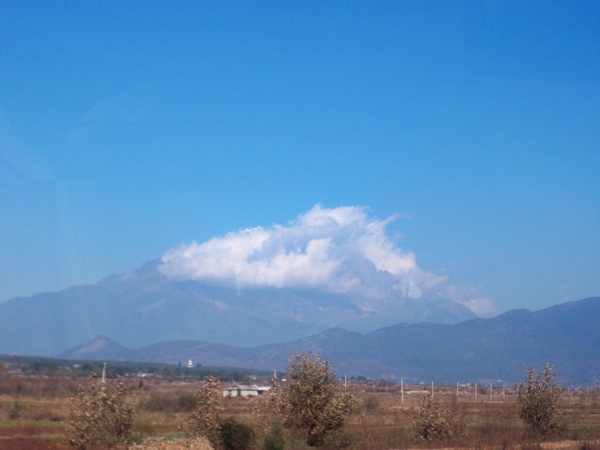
(339,250)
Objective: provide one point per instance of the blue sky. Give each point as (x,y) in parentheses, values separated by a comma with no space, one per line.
(128,128)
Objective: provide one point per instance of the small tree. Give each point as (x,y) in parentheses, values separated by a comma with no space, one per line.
(205,418)
(538,399)
(432,422)
(100,418)
(313,401)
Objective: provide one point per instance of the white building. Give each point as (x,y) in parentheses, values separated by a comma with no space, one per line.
(244,390)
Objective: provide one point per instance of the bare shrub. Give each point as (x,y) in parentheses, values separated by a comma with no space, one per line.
(100,418)
(266,415)
(313,402)
(432,422)
(267,408)
(205,419)
(538,400)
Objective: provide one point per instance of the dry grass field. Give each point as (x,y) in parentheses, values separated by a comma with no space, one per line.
(34,412)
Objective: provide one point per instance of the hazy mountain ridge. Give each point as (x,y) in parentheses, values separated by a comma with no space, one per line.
(143,306)
(500,348)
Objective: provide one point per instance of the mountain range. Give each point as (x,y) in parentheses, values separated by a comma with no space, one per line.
(495,349)
(145,316)
(144,306)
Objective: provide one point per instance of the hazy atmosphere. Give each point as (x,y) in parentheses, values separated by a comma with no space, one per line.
(441,148)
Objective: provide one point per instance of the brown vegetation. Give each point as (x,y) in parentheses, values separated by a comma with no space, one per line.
(205,418)
(100,417)
(313,403)
(34,412)
(538,402)
(154,443)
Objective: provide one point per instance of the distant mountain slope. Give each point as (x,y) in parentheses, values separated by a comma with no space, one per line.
(500,348)
(143,306)
(102,347)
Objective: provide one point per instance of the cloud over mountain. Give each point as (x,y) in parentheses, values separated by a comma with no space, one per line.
(341,250)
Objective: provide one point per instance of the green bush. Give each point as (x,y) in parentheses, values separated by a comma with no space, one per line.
(159,403)
(235,435)
(187,401)
(371,404)
(274,440)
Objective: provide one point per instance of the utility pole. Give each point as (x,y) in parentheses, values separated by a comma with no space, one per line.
(402,390)
(431,388)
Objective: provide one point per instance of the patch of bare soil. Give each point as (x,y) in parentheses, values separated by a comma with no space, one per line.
(30,438)
(555,445)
